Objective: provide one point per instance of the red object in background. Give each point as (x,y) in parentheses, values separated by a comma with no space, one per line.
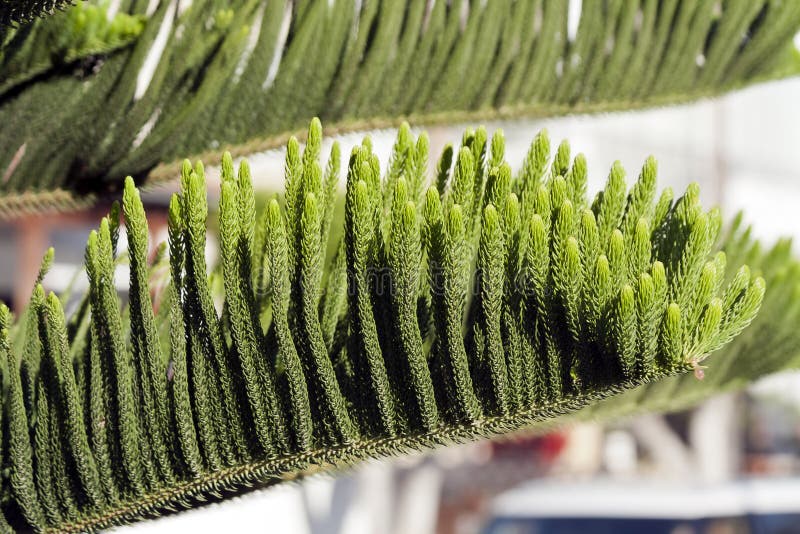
(544,448)
(551,445)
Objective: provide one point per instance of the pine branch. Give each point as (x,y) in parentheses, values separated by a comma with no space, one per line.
(20,11)
(572,310)
(72,41)
(75,121)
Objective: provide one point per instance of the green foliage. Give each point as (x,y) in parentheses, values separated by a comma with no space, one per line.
(73,42)
(769,345)
(242,74)
(17,11)
(114,414)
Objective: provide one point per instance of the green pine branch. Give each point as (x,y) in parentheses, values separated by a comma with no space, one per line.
(76,39)
(769,345)
(242,75)
(15,12)
(489,303)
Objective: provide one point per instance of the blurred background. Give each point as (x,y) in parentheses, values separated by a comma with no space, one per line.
(726,466)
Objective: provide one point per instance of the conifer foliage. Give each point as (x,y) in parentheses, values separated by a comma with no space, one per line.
(77,38)
(17,11)
(308,363)
(78,117)
(769,345)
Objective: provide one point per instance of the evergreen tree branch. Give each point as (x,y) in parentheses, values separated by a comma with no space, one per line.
(572,311)
(242,75)
(20,11)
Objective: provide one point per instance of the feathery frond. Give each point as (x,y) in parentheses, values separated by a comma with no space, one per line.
(83,109)
(76,39)
(18,11)
(565,305)
(769,345)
